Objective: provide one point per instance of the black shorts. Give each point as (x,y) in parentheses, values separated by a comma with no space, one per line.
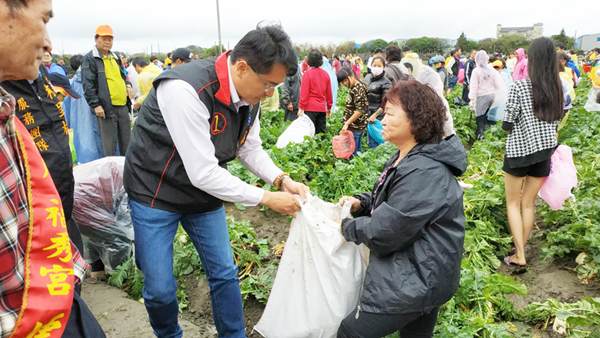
(540,169)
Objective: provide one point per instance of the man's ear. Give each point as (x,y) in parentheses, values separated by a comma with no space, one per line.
(241,67)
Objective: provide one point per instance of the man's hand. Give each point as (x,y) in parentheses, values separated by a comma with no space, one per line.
(290,107)
(282,202)
(137,106)
(130,93)
(328,112)
(294,187)
(300,112)
(373,118)
(355,202)
(99,111)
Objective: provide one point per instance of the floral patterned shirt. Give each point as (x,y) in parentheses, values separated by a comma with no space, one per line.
(358,100)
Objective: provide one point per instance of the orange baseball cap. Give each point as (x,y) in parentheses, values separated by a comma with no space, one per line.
(104,30)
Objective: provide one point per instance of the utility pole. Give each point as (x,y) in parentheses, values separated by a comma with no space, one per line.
(219,26)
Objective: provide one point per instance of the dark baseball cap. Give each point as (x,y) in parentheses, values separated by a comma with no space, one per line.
(62,82)
(183,54)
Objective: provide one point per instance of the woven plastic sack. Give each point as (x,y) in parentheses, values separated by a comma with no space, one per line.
(563,177)
(374,129)
(343,145)
(296,132)
(319,278)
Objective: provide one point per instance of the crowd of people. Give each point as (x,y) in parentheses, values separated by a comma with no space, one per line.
(195,117)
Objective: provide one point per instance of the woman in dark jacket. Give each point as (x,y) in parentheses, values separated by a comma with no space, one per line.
(379,85)
(413,222)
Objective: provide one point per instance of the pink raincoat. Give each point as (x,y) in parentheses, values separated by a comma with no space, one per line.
(520,71)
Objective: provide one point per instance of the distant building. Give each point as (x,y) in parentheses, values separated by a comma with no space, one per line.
(530,33)
(588,42)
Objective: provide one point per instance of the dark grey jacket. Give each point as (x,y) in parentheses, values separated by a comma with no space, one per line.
(94,82)
(416,231)
(378,87)
(290,93)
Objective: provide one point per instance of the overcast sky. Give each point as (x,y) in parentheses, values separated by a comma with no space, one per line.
(141,25)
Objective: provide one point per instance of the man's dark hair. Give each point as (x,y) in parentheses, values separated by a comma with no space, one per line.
(315,58)
(139,61)
(392,53)
(424,109)
(408,66)
(597,50)
(76,61)
(265,46)
(96,36)
(404,49)
(169,55)
(455,51)
(548,101)
(559,45)
(378,50)
(152,58)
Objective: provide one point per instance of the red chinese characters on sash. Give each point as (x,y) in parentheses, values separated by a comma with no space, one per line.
(49,274)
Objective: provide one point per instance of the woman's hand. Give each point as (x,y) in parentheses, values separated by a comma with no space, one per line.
(344,129)
(353,200)
(373,118)
(300,112)
(328,112)
(294,187)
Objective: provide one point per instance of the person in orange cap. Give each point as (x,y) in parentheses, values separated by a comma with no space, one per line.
(108,92)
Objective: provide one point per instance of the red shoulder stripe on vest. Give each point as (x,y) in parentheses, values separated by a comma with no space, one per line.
(161,176)
(201,89)
(223,94)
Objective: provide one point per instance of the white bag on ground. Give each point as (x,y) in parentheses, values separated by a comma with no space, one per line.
(319,279)
(301,127)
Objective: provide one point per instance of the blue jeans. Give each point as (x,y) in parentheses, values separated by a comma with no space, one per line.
(372,143)
(357,142)
(154,233)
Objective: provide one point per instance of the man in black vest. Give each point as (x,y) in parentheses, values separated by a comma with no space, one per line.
(198,117)
(39,109)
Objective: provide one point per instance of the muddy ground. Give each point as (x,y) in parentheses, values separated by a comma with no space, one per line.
(123,317)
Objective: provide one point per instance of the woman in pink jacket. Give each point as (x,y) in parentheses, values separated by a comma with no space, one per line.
(487,91)
(520,71)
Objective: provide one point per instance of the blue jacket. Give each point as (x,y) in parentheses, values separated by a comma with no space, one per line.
(86,136)
(572,65)
(334,82)
(54,68)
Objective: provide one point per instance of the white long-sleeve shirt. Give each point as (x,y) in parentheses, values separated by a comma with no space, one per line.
(187,120)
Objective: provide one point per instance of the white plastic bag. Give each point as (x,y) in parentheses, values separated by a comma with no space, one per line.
(319,279)
(295,133)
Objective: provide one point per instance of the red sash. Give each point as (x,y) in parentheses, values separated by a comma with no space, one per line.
(48,293)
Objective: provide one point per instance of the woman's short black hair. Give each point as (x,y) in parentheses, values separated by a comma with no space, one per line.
(265,46)
(380,58)
(392,53)
(315,58)
(424,108)
(139,61)
(76,61)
